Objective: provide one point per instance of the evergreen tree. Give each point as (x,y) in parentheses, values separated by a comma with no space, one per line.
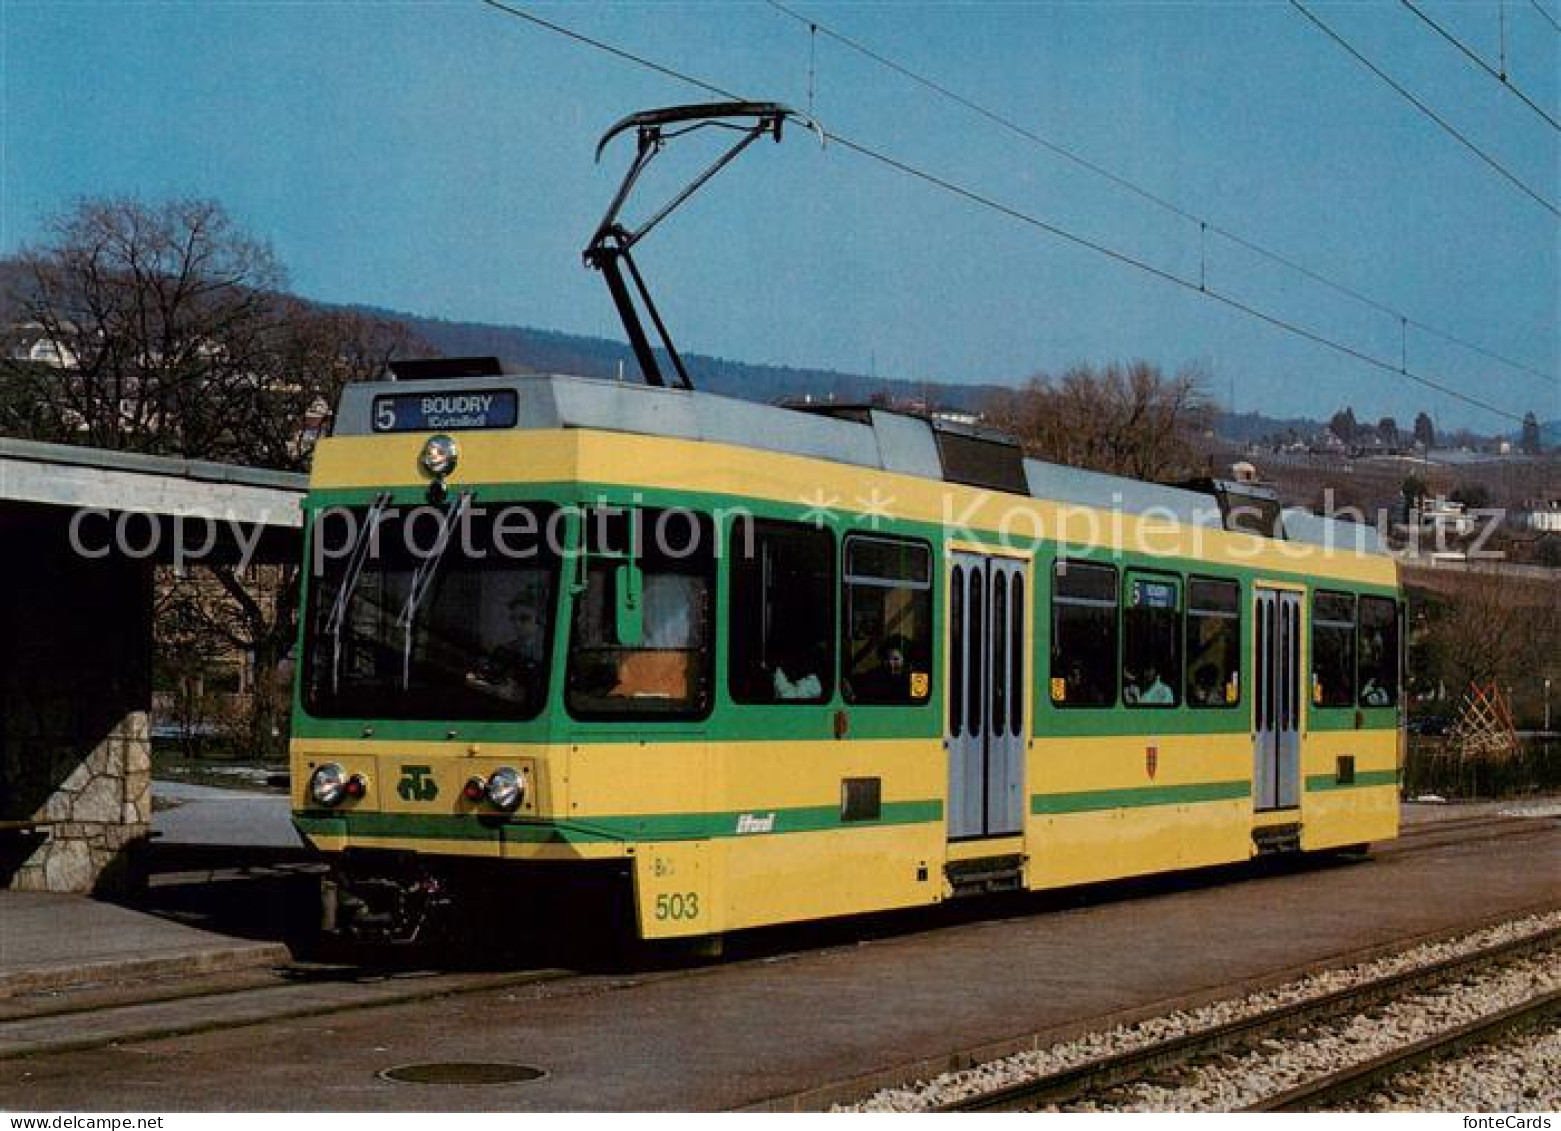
(1528,441)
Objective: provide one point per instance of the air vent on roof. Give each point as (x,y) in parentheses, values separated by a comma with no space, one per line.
(980,457)
(446,368)
(837,410)
(1249,507)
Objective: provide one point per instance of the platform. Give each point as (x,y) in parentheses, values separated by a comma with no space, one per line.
(50,941)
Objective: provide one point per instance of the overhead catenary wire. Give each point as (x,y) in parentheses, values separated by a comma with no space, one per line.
(1551,20)
(1500,76)
(1205,225)
(560,29)
(1167,276)
(972,196)
(1447,126)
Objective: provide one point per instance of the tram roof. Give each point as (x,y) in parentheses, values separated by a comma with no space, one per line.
(859,435)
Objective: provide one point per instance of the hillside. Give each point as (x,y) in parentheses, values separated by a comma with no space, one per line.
(547,351)
(550,351)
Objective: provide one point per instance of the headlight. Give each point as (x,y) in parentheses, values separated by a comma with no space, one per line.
(439,456)
(328,785)
(506,789)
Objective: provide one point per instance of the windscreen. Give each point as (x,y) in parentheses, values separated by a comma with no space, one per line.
(430,612)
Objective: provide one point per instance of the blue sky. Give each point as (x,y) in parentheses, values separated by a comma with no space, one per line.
(437,158)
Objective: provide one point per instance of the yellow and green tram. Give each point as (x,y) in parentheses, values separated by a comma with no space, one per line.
(751,664)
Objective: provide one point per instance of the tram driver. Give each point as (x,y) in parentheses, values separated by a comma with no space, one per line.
(510,670)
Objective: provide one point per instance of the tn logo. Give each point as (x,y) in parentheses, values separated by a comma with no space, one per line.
(417,784)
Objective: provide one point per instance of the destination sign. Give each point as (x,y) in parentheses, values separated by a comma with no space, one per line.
(427,412)
(1154,595)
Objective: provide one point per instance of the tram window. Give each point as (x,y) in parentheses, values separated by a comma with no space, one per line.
(1377,662)
(782,612)
(1151,643)
(1213,643)
(887,633)
(1333,650)
(1084,634)
(666,672)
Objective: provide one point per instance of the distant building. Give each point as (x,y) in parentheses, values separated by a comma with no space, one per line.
(31,342)
(1543,514)
(1436,522)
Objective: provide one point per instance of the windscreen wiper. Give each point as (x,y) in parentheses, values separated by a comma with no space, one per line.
(422,580)
(349,584)
(609,248)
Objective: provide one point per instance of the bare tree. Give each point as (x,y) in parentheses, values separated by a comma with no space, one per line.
(1123,419)
(1484,627)
(152,315)
(166,331)
(215,609)
(315,353)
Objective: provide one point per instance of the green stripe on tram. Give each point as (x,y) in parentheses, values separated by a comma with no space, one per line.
(1317,783)
(1095,800)
(605,830)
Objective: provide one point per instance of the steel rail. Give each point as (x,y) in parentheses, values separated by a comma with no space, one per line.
(1337,1087)
(1118,1069)
(1454,824)
(1511,829)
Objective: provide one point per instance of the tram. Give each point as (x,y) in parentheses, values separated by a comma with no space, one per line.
(746,664)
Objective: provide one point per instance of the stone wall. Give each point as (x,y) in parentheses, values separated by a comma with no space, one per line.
(75,694)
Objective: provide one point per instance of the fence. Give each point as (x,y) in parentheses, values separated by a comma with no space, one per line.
(1438,766)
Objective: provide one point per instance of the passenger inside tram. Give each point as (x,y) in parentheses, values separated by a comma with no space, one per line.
(1148,690)
(890,681)
(1206,690)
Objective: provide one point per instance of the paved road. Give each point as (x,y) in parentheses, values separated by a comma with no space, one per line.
(205,815)
(748,1032)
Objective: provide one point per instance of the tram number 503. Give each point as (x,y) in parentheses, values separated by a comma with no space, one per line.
(678,905)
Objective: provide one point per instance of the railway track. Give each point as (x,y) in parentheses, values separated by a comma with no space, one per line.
(1452,829)
(1104,1075)
(1446,825)
(1427,836)
(1339,1087)
(145,1011)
